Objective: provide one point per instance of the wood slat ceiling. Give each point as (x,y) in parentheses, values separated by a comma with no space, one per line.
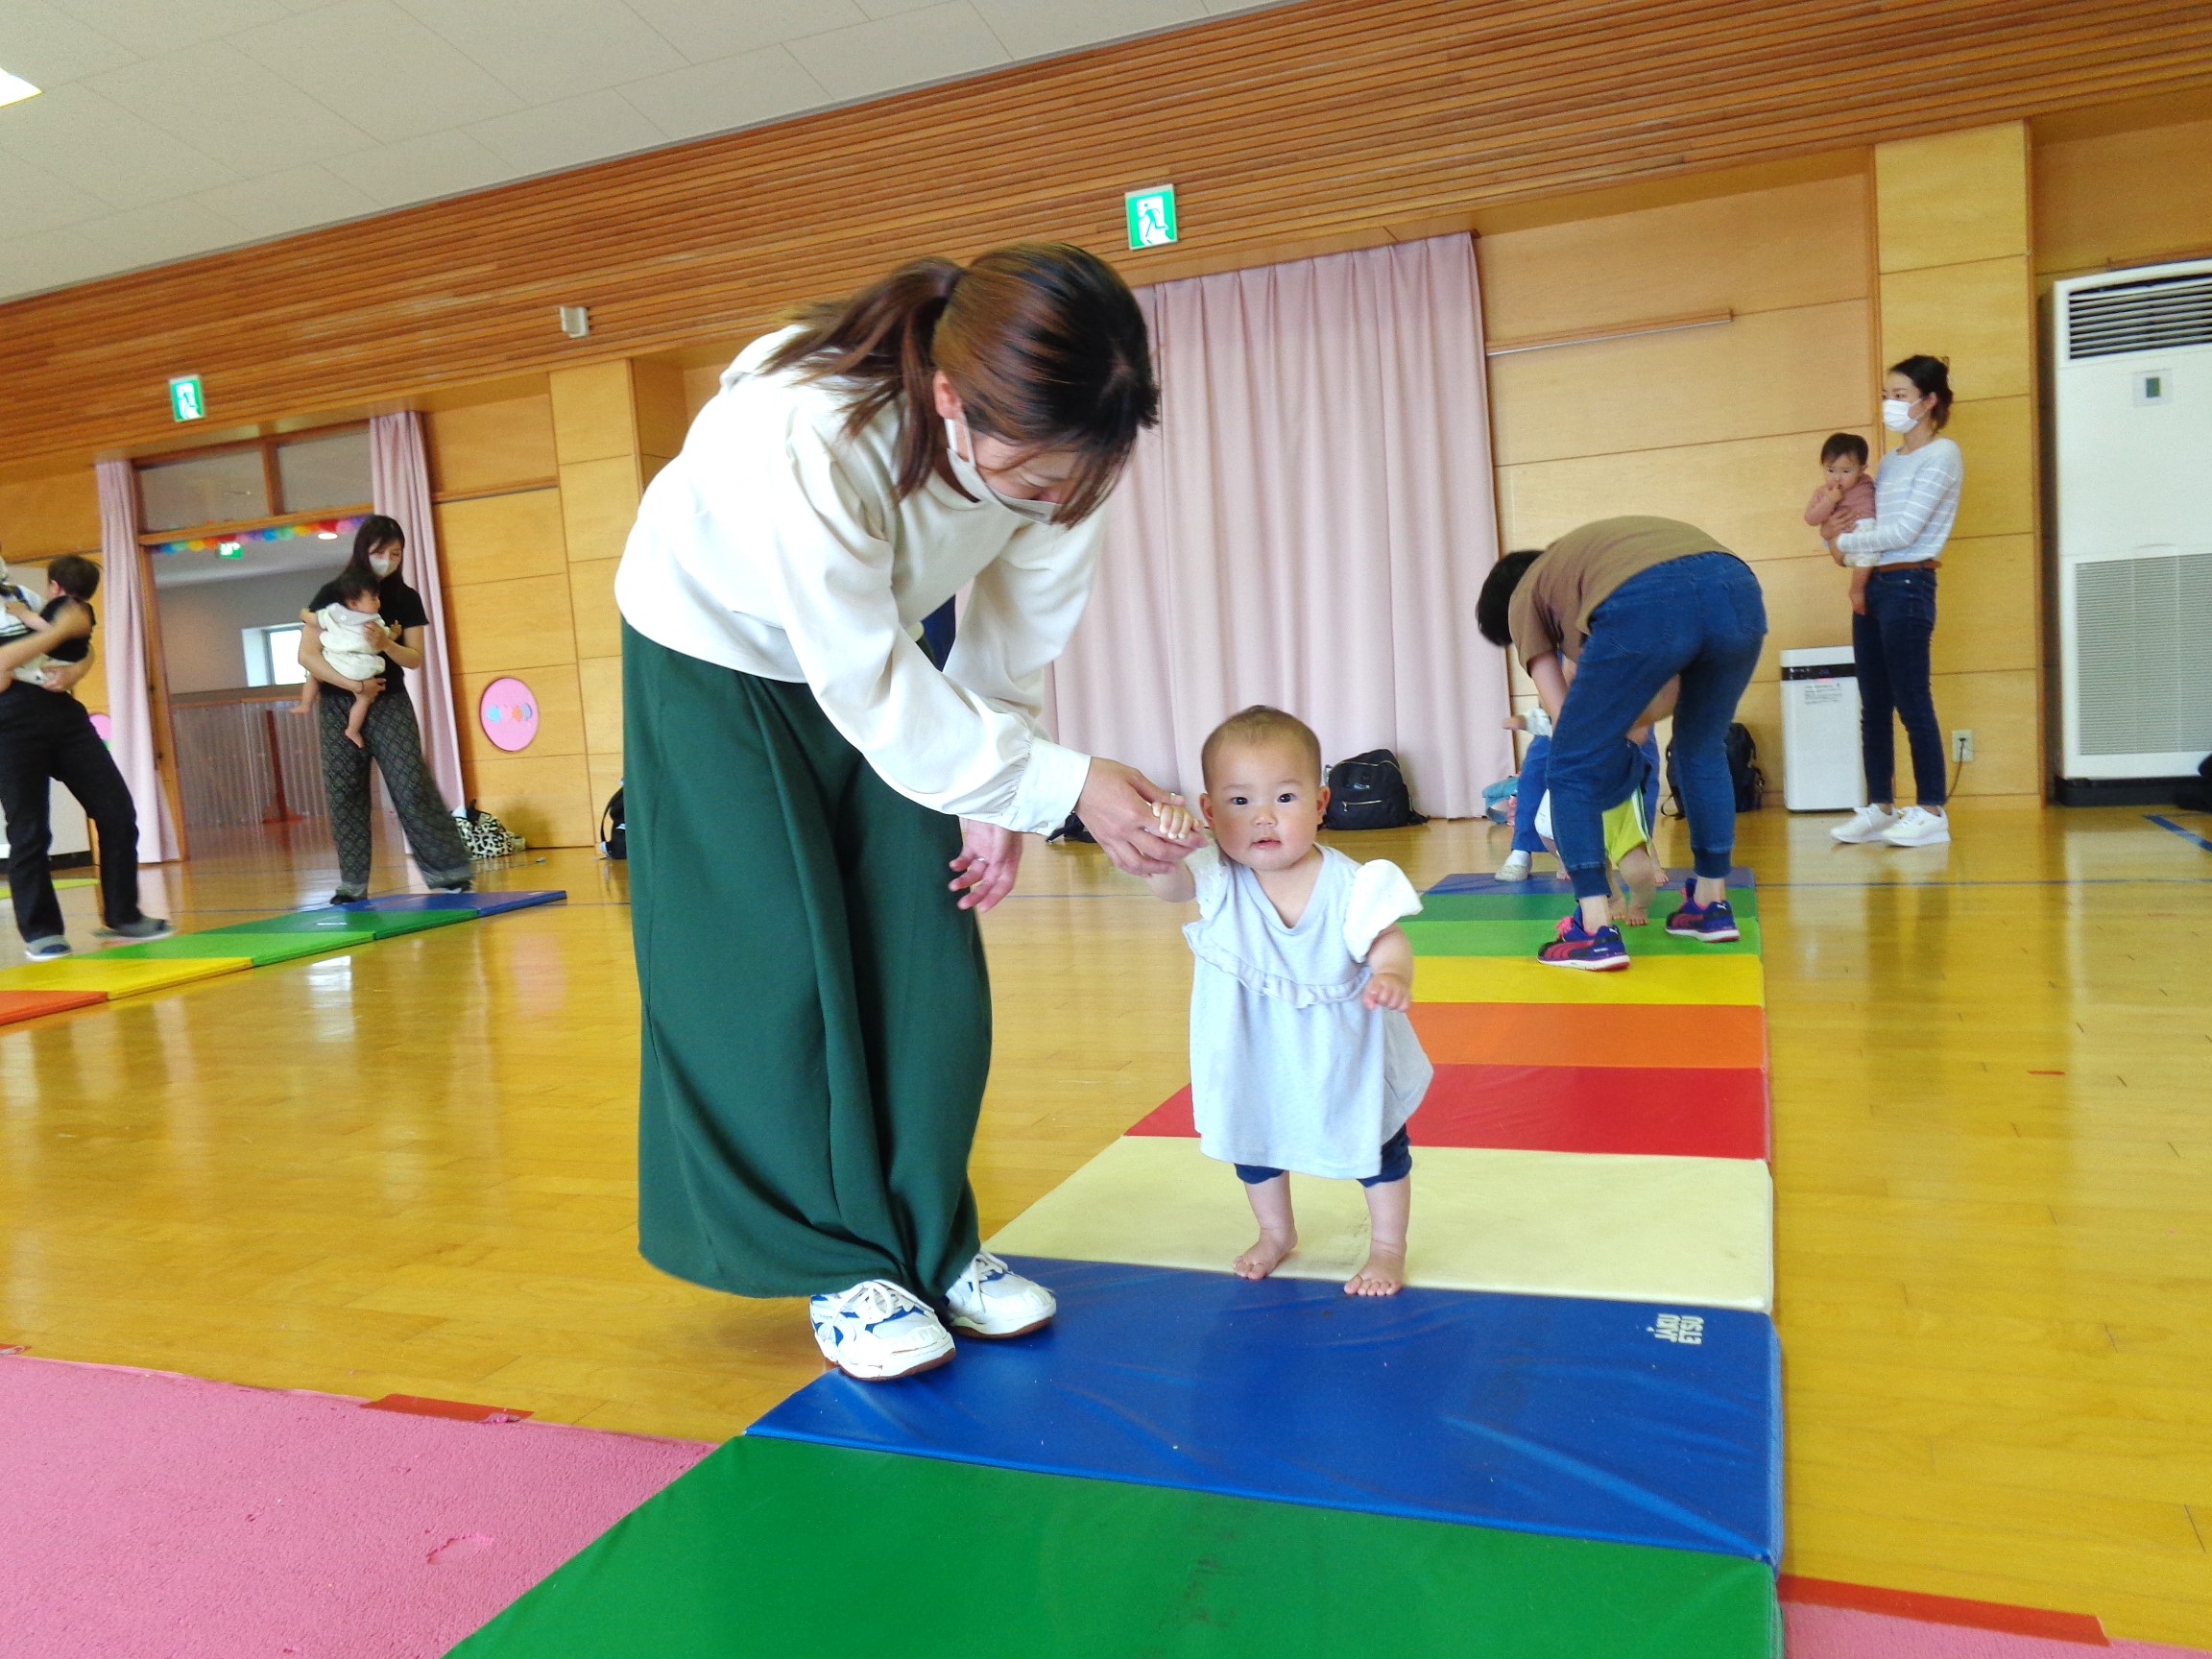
(1331,123)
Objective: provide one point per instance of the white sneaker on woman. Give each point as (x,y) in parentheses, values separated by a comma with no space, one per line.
(1515,868)
(993,1300)
(877,1331)
(1868,823)
(1915,828)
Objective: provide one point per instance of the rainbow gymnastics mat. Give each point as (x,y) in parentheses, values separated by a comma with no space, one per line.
(40,988)
(1563,1439)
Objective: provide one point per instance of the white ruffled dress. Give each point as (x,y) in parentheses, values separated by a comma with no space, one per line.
(1290,1068)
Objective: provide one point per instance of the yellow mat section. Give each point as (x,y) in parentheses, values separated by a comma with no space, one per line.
(1730,979)
(1639,1229)
(117,978)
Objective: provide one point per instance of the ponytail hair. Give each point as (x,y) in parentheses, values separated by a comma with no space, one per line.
(1043,342)
(1930,377)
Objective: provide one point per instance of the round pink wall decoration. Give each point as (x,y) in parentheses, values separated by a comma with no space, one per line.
(508,712)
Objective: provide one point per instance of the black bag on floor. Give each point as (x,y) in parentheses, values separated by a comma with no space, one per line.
(1368,792)
(1743,774)
(1071,831)
(613,832)
(2196,796)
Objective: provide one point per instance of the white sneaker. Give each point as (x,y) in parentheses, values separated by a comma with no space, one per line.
(877,1331)
(47,950)
(993,1300)
(1918,828)
(1868,823)
(1515,868)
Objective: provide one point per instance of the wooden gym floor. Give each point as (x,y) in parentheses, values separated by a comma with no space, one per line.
(410,1171)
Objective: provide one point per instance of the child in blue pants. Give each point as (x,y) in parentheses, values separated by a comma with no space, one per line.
(1632,603)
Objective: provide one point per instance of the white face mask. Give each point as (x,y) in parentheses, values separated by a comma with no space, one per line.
(1897,415)
(383,564)
(971,479)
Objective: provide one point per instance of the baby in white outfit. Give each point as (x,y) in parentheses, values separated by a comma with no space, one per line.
(345,623)
(1302,1056)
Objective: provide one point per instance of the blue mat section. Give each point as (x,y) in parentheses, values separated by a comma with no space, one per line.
(483,903)
(1577,1418)
(1484,882)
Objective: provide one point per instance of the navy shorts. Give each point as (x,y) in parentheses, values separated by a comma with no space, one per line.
(1397,1164)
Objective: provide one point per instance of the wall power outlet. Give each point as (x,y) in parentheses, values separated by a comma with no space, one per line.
(1962,744)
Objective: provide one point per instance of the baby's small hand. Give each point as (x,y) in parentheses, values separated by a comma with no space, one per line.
(1388,990)
(1173,821)
(1514,723)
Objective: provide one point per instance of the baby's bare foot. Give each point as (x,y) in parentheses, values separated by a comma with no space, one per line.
(1266,1254)
(1636,916)
(1382,1275)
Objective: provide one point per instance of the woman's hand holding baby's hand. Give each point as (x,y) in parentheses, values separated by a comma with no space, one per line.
(1117,807)
(1391,990)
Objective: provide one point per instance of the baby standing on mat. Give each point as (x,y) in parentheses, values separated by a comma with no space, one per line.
(346,646)
(1301,1054)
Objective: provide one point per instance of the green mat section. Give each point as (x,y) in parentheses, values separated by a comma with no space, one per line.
(779,1550)
(262,949)
(1550,906)
(377,923)
(1525,938)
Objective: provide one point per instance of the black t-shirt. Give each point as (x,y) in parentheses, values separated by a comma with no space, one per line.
(70,650)
(402,609)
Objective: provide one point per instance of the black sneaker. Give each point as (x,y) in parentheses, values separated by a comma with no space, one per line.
(145,927)
(349,895)
(465,885)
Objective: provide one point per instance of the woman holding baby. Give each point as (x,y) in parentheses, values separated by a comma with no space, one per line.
(817,814)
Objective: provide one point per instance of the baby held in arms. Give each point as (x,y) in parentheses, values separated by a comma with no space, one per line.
(1302,1056)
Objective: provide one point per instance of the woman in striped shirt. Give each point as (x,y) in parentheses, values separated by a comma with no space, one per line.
(1916,503)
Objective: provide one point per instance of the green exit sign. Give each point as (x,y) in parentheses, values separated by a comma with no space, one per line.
(1151,216)
(187,401)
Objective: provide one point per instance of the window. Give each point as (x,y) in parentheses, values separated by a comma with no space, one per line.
(283,478)
(273,655)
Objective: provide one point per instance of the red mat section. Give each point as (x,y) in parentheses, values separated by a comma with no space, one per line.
(1643,1036)
(1667,1112)
(29,1004)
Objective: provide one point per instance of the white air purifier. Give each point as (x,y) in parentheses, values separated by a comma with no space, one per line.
(2131,394)
(1820,764)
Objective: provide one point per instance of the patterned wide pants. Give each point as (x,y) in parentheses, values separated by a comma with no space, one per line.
(394,742)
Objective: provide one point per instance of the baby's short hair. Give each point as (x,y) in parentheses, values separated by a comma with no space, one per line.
(1843,444)
(76,576)
(1261,724)
(356,583)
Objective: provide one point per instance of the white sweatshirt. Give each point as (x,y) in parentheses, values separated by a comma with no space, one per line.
(777,546)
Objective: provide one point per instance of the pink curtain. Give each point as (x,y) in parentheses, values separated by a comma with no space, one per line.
(399,486)
(125,606)
(1308,526)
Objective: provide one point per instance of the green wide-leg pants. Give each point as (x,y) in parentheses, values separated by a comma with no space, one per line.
(817,1016)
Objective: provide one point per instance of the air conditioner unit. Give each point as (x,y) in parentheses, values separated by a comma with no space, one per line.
(2133,416)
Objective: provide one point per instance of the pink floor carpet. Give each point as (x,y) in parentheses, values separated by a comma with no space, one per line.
(1836,1633)
(150,1516)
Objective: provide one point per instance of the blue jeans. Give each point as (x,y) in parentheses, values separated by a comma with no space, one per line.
(1700,617)
(1397,1164)
(1889,646)
(1535,771)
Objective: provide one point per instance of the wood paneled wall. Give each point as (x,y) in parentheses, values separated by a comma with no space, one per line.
(2127,197)
(1321,125)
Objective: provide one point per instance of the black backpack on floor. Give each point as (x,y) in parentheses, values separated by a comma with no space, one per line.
(1368,792)
(614,831)
(1750,784)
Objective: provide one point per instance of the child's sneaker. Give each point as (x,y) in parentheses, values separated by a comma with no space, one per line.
(1915,828)
(1576,948)
(1868,823)
(1713,923)
(1515,868)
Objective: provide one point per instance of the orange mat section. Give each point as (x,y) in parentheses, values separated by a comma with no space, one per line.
(17,1005)
(1607,1034)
